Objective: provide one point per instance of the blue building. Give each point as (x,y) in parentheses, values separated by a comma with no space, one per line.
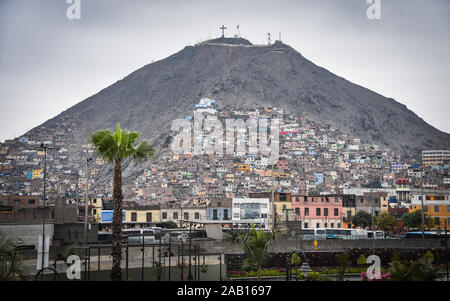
(219,210)
(318,178)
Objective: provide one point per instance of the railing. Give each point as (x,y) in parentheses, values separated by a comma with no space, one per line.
(190,260)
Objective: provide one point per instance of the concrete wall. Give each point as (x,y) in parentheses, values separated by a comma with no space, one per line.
(289,243)
(29,233)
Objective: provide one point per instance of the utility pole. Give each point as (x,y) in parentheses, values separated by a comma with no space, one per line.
(273,202)
(446,248)
(373,226)
(44,200)
(423,215)
(86,202)
(190,278)
(268,38)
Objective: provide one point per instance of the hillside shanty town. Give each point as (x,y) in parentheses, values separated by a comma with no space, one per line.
(322,178)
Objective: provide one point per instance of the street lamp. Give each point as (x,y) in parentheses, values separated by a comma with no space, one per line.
(305,269)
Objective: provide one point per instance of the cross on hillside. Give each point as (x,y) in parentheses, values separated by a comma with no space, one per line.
(223,31)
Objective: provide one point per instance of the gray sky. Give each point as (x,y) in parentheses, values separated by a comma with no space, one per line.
(48,63)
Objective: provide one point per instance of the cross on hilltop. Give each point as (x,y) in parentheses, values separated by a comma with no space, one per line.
(223,31)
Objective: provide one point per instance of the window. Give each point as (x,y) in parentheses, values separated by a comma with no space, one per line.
(325,212)
(250,211)
(332,225)
(175,215)
(31,201)
(306,211)
(186,215)
(237,205)
(149,216)
(336,212)
(263,205)
(297,211)
(16,202)
(425,208)
(305,226)
(133,216)
(318,211)
(164,215)
(284,207)
(436,208)
(215,217)
(225,214)
(95,211)
(448,208)
(197,215)
(264,215)
(236,215)
(317,225)
(326,225)
(437,221)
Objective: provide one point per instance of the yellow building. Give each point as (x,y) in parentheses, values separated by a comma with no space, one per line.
(283,204)
(229,178)
(37,173)
(142,214)
(243,167)
(282,175)
(96,209)
(437,207)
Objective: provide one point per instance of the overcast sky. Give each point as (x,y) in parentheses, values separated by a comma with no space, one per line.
(48,63)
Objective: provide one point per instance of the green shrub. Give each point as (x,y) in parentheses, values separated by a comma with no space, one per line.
(362,260)
(428,256)
(248,266)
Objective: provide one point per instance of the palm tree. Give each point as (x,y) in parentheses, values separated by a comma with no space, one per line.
(256,244)
(114,148)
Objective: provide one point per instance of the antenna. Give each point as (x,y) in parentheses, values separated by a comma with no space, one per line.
(268,38)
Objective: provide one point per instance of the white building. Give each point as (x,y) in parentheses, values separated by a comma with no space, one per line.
(246,211)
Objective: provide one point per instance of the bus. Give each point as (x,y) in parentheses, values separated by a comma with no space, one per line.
(427,234)
(333,233)
(378,234)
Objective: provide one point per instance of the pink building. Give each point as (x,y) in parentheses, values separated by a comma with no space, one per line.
(282,164)
(323,211)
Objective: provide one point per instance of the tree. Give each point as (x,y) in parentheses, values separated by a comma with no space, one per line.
(419,270)
(386,221)
(170,225)
(343,262)
(362,219)
(313,192)
(115,148)
(414,219)
(11,261)
(256,244)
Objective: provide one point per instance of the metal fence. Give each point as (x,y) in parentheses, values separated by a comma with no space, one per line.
(146,259)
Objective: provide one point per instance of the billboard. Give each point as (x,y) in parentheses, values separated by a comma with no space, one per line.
(107,216)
